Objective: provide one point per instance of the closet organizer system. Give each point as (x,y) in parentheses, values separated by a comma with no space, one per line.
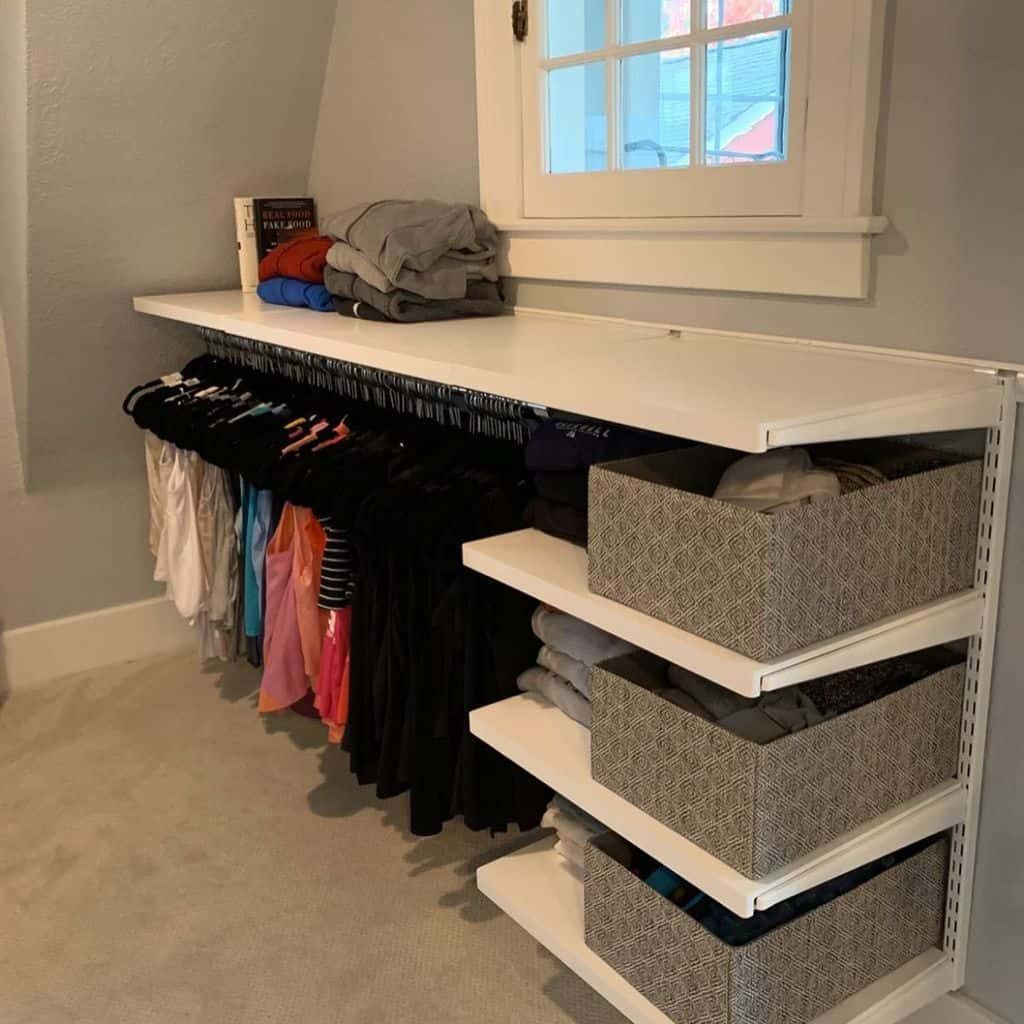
(749,395)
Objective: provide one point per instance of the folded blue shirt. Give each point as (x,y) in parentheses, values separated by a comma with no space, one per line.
(287,291)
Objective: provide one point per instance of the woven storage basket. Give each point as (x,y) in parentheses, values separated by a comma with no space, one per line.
(767,585)
(759,807)
(791,975)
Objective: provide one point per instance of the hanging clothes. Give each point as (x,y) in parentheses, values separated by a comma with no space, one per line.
(333,684)
(159,456)
(337,588)
(284,671)
(180,556)
(411,642)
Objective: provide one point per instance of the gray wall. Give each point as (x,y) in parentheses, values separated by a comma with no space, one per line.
(13,238)
(143,120)
(947,273)
(947,277)
(398,113)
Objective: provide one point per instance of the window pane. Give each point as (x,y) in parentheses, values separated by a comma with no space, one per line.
(654,19)
(574,26)
(736,12)
(577,119)
(656,110)
(746,101)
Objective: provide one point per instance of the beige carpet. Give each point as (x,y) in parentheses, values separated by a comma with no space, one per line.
(166,856)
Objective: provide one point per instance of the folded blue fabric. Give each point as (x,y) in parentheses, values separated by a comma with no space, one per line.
(664,881)
(287,291)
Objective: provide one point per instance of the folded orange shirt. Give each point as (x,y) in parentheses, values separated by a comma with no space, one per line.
(302,259)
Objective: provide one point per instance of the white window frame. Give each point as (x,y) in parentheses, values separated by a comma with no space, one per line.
(820,248)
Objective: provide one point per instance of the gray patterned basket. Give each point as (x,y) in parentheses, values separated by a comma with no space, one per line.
(759,807)
(791,975)
(767,585)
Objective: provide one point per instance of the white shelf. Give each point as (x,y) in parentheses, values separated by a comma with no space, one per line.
(551,746)
(555,572)
(543,895)
(729,391)
(541,892)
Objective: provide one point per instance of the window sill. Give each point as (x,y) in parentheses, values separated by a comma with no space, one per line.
(770,255)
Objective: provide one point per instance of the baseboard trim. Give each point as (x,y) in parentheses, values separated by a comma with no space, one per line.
(954,1009)
(36,654)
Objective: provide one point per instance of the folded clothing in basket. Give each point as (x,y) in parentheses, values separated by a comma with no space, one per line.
(776,480)
(781,712)
(730,928)
(844,691)
(759,720)
(788,477)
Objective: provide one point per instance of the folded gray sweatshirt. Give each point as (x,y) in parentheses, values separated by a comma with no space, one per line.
(426,247)
(578,639)
(557,691)
(483,298)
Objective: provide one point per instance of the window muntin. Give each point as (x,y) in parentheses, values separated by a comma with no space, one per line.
(686,83)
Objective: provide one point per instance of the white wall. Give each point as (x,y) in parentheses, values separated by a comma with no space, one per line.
(947,276)
(143,120)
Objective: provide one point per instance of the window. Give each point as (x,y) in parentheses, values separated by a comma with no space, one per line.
(672,69)
(680,136)
(663,107)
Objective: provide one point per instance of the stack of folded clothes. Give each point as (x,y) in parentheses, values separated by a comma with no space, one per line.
(722,922)
(789,477)
(412,261)
(559,456)
(759,719)
(571,648)
(778,713)
(575,829)
(292,274)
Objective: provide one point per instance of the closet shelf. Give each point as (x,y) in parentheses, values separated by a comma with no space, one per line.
(729,390)
(555,572)
(552,747)
(539,891)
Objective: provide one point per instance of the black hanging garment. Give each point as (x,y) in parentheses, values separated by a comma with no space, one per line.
(398,497)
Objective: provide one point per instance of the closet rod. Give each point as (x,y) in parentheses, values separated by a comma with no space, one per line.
(447,403)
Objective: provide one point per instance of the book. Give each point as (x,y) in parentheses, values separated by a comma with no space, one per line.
(261,224)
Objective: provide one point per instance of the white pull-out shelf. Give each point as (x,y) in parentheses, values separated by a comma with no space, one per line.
(544,896)
(555,572)
(729,390)
(551,746)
